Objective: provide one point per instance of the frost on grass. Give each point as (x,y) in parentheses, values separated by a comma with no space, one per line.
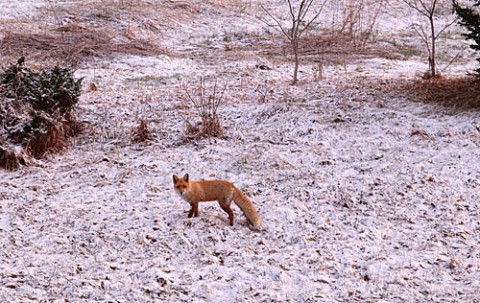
(364,197)
(359,203)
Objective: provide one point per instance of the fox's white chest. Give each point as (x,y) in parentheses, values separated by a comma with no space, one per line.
(184,195)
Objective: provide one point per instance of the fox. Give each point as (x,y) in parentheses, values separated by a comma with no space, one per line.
(221,191)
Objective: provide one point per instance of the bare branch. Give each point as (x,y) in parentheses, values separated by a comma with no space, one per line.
(454,58)
(192,100)
(414,4)
(278,25)
(430,9)
(301,10)
(292,12)
(315,17)
(422,35)
(446,26)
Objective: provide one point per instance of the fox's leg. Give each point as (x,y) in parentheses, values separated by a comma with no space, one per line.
(194,210)
(226,207)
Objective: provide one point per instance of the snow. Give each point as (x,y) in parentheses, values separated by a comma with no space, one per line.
(20,9)
(364,197)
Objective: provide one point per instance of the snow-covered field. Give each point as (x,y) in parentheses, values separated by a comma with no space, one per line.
(364,197)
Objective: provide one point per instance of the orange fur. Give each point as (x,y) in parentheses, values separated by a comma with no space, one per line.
(221,191)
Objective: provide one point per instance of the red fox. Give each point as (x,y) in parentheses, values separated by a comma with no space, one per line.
(215,190)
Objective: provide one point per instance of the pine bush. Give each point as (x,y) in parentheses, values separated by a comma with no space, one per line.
(469,17)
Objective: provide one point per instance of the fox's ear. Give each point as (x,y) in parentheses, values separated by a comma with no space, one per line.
(175,179)
(185,177)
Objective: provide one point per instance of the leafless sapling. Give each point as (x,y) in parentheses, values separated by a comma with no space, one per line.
(301,18)
(429,9)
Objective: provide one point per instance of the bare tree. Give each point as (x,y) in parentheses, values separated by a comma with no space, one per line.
(298,24)
(427,8)
(359,18)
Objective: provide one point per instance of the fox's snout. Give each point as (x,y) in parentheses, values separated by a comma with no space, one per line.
(181,189)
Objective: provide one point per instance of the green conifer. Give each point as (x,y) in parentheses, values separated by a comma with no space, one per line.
(469,17)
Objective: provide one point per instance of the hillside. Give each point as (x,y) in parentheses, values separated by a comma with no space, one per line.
(366,193)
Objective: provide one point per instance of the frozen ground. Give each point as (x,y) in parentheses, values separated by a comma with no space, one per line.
(364,197)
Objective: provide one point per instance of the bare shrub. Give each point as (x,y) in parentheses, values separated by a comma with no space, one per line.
(206,104)
(142,132)
(357,20)
(264,91)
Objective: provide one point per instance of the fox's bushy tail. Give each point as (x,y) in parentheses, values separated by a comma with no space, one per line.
(247,208)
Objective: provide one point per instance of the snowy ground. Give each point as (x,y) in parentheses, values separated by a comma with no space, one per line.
(364,197)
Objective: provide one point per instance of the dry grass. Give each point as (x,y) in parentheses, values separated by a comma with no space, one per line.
(55,139)
(52,140)
(324,48)
(90,29)
(72,46)
(11,160)
(210,126)
(459,93)
(74,128)
(142,132)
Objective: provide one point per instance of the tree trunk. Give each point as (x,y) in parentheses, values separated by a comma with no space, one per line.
(433,67)
(296,59)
